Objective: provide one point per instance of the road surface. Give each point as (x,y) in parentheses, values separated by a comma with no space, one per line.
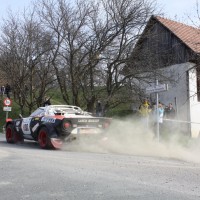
(28,172)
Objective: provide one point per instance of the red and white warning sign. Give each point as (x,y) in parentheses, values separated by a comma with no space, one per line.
(7,102)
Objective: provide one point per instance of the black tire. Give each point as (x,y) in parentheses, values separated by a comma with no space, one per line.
(43,139)
(11,135)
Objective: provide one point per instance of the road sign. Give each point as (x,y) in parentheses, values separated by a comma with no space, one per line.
(6,108)
(7,102)
(157,88)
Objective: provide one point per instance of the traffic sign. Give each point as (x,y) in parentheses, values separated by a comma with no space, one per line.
(7,102)
(6,108)
(157,88)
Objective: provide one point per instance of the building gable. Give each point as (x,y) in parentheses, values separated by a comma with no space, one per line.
(173,48)
(164,43)
(189,35)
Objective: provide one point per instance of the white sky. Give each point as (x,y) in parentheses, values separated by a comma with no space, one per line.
(179,9)
(12,4)
(174,9)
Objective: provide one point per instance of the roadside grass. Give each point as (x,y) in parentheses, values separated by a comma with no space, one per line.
(122,112)
(15,109)
(14,113)
(56,98)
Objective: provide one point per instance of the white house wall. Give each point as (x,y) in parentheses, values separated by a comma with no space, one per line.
(182,94)
(194,104)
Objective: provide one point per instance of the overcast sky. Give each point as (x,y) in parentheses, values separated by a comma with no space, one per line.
(179,9)
(171,8)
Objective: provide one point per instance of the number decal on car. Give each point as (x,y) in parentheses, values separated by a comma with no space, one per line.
(26,125)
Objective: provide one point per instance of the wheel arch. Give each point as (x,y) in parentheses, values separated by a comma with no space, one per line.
(50,128)
(12,135)
(9,123)
(51,141)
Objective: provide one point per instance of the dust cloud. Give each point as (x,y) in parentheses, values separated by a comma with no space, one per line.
(131,137)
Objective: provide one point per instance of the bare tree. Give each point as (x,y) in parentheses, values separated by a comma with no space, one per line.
(67,26)
(25,58)
(93,43)
(126,20)
(112,39)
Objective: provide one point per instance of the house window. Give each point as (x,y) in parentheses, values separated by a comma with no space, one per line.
(198,83)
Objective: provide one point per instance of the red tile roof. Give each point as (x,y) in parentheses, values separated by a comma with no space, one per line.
(187,34)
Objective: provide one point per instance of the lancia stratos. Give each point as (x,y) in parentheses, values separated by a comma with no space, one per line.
(53,125)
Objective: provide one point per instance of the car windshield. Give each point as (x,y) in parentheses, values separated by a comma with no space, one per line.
(63,109)
(57,110)
(38,112)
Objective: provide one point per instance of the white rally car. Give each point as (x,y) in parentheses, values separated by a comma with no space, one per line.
(54,124)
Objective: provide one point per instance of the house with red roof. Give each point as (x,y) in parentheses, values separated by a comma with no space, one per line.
(172,49)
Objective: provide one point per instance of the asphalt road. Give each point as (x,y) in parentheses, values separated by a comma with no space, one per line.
(28,172)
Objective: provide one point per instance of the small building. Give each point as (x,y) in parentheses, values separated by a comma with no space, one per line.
(172,48)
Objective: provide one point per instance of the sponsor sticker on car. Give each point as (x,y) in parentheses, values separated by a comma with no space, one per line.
(89,120)
(48,120)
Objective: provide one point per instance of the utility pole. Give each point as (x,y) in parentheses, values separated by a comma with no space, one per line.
(157,115)
(156,88)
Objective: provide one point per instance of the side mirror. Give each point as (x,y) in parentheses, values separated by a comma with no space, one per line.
(20,116)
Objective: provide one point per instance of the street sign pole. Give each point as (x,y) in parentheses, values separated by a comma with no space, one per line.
(7,102)
(6,114)
(156,89)
(157,116)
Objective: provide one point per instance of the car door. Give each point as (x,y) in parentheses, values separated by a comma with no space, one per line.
(25,127)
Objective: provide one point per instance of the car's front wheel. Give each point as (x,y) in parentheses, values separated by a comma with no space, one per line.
(11,135)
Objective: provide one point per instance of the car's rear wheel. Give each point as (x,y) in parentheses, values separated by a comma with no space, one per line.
(11,135)
(43,139)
